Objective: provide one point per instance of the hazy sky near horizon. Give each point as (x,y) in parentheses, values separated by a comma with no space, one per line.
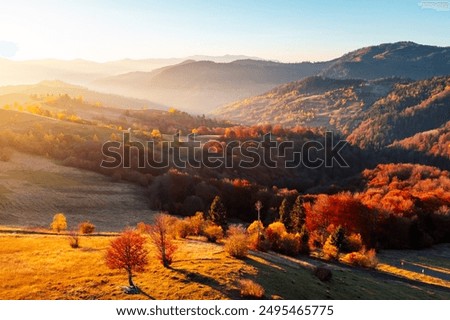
(282,30)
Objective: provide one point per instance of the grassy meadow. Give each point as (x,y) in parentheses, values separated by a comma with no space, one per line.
(44,266)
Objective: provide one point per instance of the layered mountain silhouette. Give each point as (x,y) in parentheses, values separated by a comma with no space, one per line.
(82,72)
(201,86)
(400,59)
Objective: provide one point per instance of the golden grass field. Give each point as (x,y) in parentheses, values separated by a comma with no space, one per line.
(34,188)
(44,266)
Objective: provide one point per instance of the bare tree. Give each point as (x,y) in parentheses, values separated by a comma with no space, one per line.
(161,237)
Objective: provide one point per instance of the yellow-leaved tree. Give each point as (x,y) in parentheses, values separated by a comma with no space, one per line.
(59,222)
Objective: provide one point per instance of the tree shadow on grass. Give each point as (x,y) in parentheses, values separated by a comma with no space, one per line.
(146,294)
(134,290)
(208,281)
(285,281)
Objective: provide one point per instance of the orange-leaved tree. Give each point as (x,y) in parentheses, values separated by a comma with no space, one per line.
(128,252)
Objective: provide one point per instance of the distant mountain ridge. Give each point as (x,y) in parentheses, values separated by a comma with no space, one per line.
(400,59)
(201,86)
(80,71)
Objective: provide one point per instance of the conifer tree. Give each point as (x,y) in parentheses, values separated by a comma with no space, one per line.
(218,213)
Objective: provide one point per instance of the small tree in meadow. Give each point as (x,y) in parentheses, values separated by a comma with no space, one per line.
(128,252)
(161,237)
(74,240)
(59,222)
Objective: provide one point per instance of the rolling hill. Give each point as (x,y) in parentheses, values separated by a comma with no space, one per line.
(407,110)
(83,71)
(372,113)
(35,188)
(313,102)
(46,88)
(435,142)
(400,59)
(200,86)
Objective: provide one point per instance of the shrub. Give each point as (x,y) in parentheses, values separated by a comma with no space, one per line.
(353,243)
(289,244)
(197,223)
(323,274)
(274,232)
(362,258)
(250,289)
(74,240)
(213,232)
(86,227)
(236,229)
(237,242)
(183,229)
(255,227)
(258,242)
(190,226)
(330,251)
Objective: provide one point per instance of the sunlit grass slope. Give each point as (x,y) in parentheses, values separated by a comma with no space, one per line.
(45,267)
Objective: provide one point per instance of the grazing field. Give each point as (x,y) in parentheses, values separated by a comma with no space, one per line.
(46,267)
(428,266)
(33,189)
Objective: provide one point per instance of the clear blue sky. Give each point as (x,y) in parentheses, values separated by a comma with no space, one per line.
(281,30)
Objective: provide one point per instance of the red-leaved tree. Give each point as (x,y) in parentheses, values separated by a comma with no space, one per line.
(128,252)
